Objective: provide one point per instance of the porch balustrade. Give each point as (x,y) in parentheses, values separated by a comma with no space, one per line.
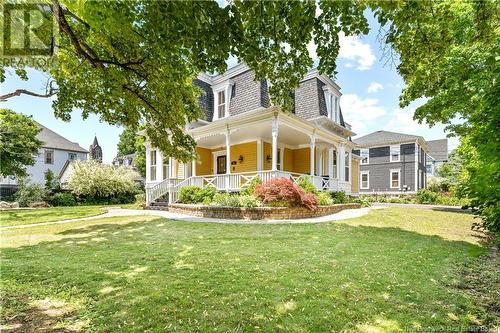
(236,182)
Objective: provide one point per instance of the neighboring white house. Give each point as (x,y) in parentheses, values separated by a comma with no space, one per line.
(438,155)
(53,154)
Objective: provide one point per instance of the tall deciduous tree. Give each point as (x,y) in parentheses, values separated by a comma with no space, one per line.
(126,145)
(18,143)
(134,60)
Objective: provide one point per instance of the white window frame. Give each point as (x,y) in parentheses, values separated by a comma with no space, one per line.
(219,104)
(45,153)
(226,87)
(367,151)
(152,167)
(332,103)
(72,154)
(394,148)
(362,173)
(398,171)
(166,168)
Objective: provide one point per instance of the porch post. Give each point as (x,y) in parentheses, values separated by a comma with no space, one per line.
(159,165)
(274,134)
(312,145)
(260,154)
(170,167)
(228,157)
(341,163)
(193,167)
(330,163)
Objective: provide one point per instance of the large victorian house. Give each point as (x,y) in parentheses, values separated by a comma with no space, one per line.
(243,136)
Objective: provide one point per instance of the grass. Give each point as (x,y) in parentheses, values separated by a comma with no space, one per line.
(13,217)
(134,274)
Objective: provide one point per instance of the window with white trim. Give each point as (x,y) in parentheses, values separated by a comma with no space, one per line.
(278,160)
(365,156)
(152,163)
(221,104)
(395,153)
(332,104)
(395,175)
(72,156)
(365,180)
(347,166)
(49,156)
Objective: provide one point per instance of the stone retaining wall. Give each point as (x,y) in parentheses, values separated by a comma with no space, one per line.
(258,213)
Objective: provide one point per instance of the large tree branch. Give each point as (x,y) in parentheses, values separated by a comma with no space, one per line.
(19,92)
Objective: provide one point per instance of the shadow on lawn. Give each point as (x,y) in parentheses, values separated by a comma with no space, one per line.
(136,266)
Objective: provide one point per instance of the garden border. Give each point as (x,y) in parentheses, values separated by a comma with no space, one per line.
(258,213)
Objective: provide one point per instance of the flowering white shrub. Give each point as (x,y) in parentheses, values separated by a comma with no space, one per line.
(90,178)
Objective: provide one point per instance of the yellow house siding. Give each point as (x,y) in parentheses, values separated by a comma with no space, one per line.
(288,160)
(204,165)
(267,150)
(355,176)
(248,151)
(180,170)
(301,160)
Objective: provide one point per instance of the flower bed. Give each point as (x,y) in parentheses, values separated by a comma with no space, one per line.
(258,213)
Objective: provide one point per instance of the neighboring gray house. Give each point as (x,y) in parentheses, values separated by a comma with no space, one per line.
(53,154)
(391,162)
(125,160)
(438,154)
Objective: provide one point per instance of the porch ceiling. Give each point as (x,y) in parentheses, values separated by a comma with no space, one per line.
(286,135)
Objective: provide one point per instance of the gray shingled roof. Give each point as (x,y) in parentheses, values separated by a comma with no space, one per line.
(51,139)
(438,149)
(385,137)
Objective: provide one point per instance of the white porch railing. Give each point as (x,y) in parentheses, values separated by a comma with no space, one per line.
(236,182)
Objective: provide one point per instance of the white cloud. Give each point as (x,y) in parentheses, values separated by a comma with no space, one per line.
(358,54)
(374,87)
(359,112)
(402,121)
(353,49)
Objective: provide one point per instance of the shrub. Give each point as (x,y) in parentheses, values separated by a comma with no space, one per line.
(188,194)
(305,183)
(246,200)
(325,199)
(363,201)
(426,197)
(28,193)
(140,199)
(196,194)
(91,179)
(251,186)
(51,182)
(280,191)
(62,199)
(226,199)
(339,197)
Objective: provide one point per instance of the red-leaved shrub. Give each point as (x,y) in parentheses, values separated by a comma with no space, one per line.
(282,191)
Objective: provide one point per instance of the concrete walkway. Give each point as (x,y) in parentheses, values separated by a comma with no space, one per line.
(115,211)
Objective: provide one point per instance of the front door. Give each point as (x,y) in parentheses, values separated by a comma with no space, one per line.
(221,165)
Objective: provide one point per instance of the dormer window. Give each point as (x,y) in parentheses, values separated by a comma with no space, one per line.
(221,104)
(332,103)
(222,96)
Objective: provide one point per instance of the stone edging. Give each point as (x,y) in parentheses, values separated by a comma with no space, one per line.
(258,213)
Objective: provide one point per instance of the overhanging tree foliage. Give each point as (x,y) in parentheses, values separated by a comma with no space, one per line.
(129,61)
(18,143)
(126,145)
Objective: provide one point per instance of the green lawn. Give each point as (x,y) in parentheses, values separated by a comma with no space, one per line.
(27,216)
(392,270)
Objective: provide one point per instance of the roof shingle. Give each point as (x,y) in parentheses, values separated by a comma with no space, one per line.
(51,139)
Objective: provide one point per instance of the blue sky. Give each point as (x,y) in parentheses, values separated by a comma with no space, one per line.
(370,90)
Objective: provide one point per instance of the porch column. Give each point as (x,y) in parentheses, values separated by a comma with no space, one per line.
(312,145)
(341,163)
(170,167)
(260,154)
(228,151)
(193,167)
(228,159)
(148,163)
(274,135)
(330,162)
(159,165)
